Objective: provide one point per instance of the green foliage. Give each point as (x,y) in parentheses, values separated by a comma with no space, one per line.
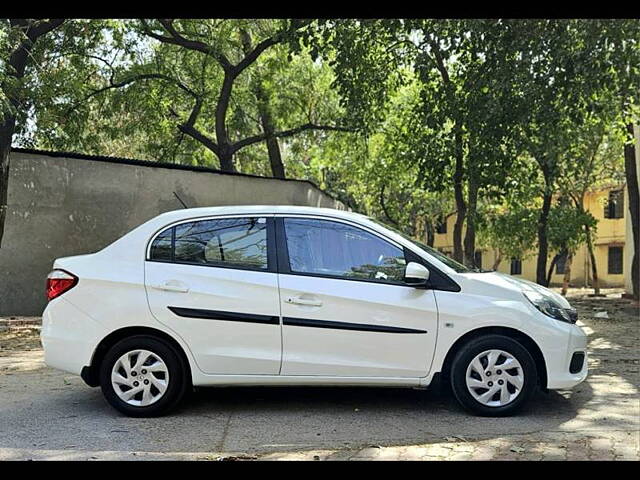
(508,109)
(567,226)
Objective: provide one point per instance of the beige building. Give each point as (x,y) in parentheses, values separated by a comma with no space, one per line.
(609,207)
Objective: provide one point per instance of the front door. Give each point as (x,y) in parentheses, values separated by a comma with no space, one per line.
(346,310)
(214,283)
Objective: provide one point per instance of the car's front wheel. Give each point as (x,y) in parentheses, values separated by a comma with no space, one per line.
(493,375)
(143,376)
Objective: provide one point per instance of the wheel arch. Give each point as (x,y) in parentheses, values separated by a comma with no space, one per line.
(525,340)
(91,373)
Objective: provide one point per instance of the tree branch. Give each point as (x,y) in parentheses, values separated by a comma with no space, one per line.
(439,62)
(176,38)
(132,79)
(194,133)
(43,28)
(287,133)
(253,55)
(384,207)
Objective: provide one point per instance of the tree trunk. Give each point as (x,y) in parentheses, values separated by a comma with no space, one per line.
(222,136)
(543,242)
(429,232)
(6,135)
(592,258)
(17,65)
(567,273)
(461,206)
(470,233)
(266,120)
(419,228)
(275,159)
(631,173)
(555,259)
(273,147)
(498,260)
(226,159)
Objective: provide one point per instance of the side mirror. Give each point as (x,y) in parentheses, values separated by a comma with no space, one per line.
(416,275)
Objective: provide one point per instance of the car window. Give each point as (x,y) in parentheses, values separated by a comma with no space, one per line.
(219,242)
(161,248)
(448,261)
(323,247)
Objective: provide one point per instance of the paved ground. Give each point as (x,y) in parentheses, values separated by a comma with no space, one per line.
(46,414)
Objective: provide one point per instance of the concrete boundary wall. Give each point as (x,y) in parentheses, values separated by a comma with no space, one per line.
(69,204)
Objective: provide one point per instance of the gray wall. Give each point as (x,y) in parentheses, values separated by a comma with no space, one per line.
(60,206)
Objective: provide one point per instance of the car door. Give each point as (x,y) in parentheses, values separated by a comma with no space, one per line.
(213,282)
(346,309)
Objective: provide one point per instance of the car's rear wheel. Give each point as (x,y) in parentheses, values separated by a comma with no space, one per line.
(143,376)
(493,375)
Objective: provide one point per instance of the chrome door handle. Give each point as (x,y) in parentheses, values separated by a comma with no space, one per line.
(304,301)
(172,287)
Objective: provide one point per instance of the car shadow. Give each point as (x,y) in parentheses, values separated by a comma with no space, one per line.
(265,419)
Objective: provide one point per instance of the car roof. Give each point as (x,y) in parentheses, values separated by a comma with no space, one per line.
(143,233)
(186,213)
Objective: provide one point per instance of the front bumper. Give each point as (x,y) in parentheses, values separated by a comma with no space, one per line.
(559,366)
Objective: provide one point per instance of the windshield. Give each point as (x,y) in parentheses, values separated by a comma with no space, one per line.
(449,262)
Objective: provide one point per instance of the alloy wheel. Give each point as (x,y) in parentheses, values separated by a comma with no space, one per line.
(140,378)
(494,378)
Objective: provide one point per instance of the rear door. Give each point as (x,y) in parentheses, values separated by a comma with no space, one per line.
(346,309)
(213,282)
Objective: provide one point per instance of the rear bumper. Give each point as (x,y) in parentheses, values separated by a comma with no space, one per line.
(69,336)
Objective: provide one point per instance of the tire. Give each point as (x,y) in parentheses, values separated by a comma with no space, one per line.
(166,378)
(517,385)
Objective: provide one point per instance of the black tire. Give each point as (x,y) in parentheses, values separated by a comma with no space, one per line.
(475,347)
(177,386)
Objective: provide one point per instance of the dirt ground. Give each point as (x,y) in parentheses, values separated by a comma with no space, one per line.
(47,414)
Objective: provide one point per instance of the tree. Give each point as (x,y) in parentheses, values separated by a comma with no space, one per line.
(36,69)
(566,69)
(197,80)
(594,162)
(566,232)
(509,227)
(462,125)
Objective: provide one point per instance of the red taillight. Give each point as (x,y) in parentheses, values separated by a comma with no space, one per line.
(58,282)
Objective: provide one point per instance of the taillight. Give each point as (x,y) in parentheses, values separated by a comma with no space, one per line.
(58,282)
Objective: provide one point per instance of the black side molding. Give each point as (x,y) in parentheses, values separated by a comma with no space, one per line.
(294,322)
(220,315)
(362,327)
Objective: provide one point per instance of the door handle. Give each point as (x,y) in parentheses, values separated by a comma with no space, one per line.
(304,301)
(172,286)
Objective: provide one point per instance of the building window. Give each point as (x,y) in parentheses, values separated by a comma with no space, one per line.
(615,260)
(477,259)
(614,208)
(516,266)
(560,263)
(441,227)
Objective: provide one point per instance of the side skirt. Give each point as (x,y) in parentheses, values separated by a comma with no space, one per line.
(200,380)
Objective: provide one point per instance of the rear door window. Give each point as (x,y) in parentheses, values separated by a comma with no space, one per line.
(229,242)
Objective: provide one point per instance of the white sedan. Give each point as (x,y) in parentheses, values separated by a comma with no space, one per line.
(281,295)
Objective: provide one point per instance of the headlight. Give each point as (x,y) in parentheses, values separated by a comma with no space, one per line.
(550,308)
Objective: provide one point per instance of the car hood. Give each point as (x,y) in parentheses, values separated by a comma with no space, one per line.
(514,284)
